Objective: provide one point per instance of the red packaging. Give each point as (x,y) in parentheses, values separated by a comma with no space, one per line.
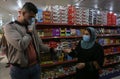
(53,44)
(113,19)
(109,19)
(71,15)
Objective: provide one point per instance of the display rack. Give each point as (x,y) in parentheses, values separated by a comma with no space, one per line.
(50,25)
(59,63)
(44,26)
(71,37)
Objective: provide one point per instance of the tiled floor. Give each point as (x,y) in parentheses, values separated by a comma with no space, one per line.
(116,77)
(4,72)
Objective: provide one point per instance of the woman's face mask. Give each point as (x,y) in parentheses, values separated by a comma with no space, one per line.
(86,38)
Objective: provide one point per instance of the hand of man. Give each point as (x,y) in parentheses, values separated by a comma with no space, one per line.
(80,65)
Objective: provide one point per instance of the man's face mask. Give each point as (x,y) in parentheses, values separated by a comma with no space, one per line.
(31,21)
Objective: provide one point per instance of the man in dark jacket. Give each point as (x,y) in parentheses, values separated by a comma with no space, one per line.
(24,45)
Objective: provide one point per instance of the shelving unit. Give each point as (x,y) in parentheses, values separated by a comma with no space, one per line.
(71,37)
(64,75)
(110,45)
(112,53)
(44,26)
(59,63)
(111,75)
(109,64)
(50,25)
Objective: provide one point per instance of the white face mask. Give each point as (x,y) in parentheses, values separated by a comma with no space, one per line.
(86,38)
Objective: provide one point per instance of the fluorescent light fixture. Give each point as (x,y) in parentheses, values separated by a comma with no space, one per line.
(110,12)
(10,14)
(19,2)
(115,14)
(111,8)
(77,4)
(98,12)
(96,6)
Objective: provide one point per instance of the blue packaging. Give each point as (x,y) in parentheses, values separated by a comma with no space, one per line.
(40,15)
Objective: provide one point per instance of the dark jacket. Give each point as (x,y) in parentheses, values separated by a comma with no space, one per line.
(87,56)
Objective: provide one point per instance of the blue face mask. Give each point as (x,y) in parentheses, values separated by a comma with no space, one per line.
(31,21)
(86,38)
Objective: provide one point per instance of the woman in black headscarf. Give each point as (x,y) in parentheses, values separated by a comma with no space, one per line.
(90,56)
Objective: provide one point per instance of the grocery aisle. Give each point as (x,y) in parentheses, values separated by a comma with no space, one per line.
(61,24)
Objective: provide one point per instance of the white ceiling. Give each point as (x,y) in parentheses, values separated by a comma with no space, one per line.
(11,7)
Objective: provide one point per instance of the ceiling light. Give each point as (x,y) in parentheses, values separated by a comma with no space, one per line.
(19,2)
(96,6)
(111,9)
(110,12)
(77,4)
(10,14)
(98,12)
(115,14)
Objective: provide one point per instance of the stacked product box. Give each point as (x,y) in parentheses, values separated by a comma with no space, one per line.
(107,31)
(63,14)
(85,16)
(111,60)
(104,17)
(111,18)
(112,50)
(78,15)
(56,32)
(58,71)
(71,14)
(110,72)
(99,19)
(107,41)
(46,16)
(55,14)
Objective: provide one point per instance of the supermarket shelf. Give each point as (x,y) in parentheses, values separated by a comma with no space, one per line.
(112,53)
(110,64)
(108,35)
(60,37)
(111,75)
(58,63)
(64,75)
(51,25)
(110,45)
(68,37)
